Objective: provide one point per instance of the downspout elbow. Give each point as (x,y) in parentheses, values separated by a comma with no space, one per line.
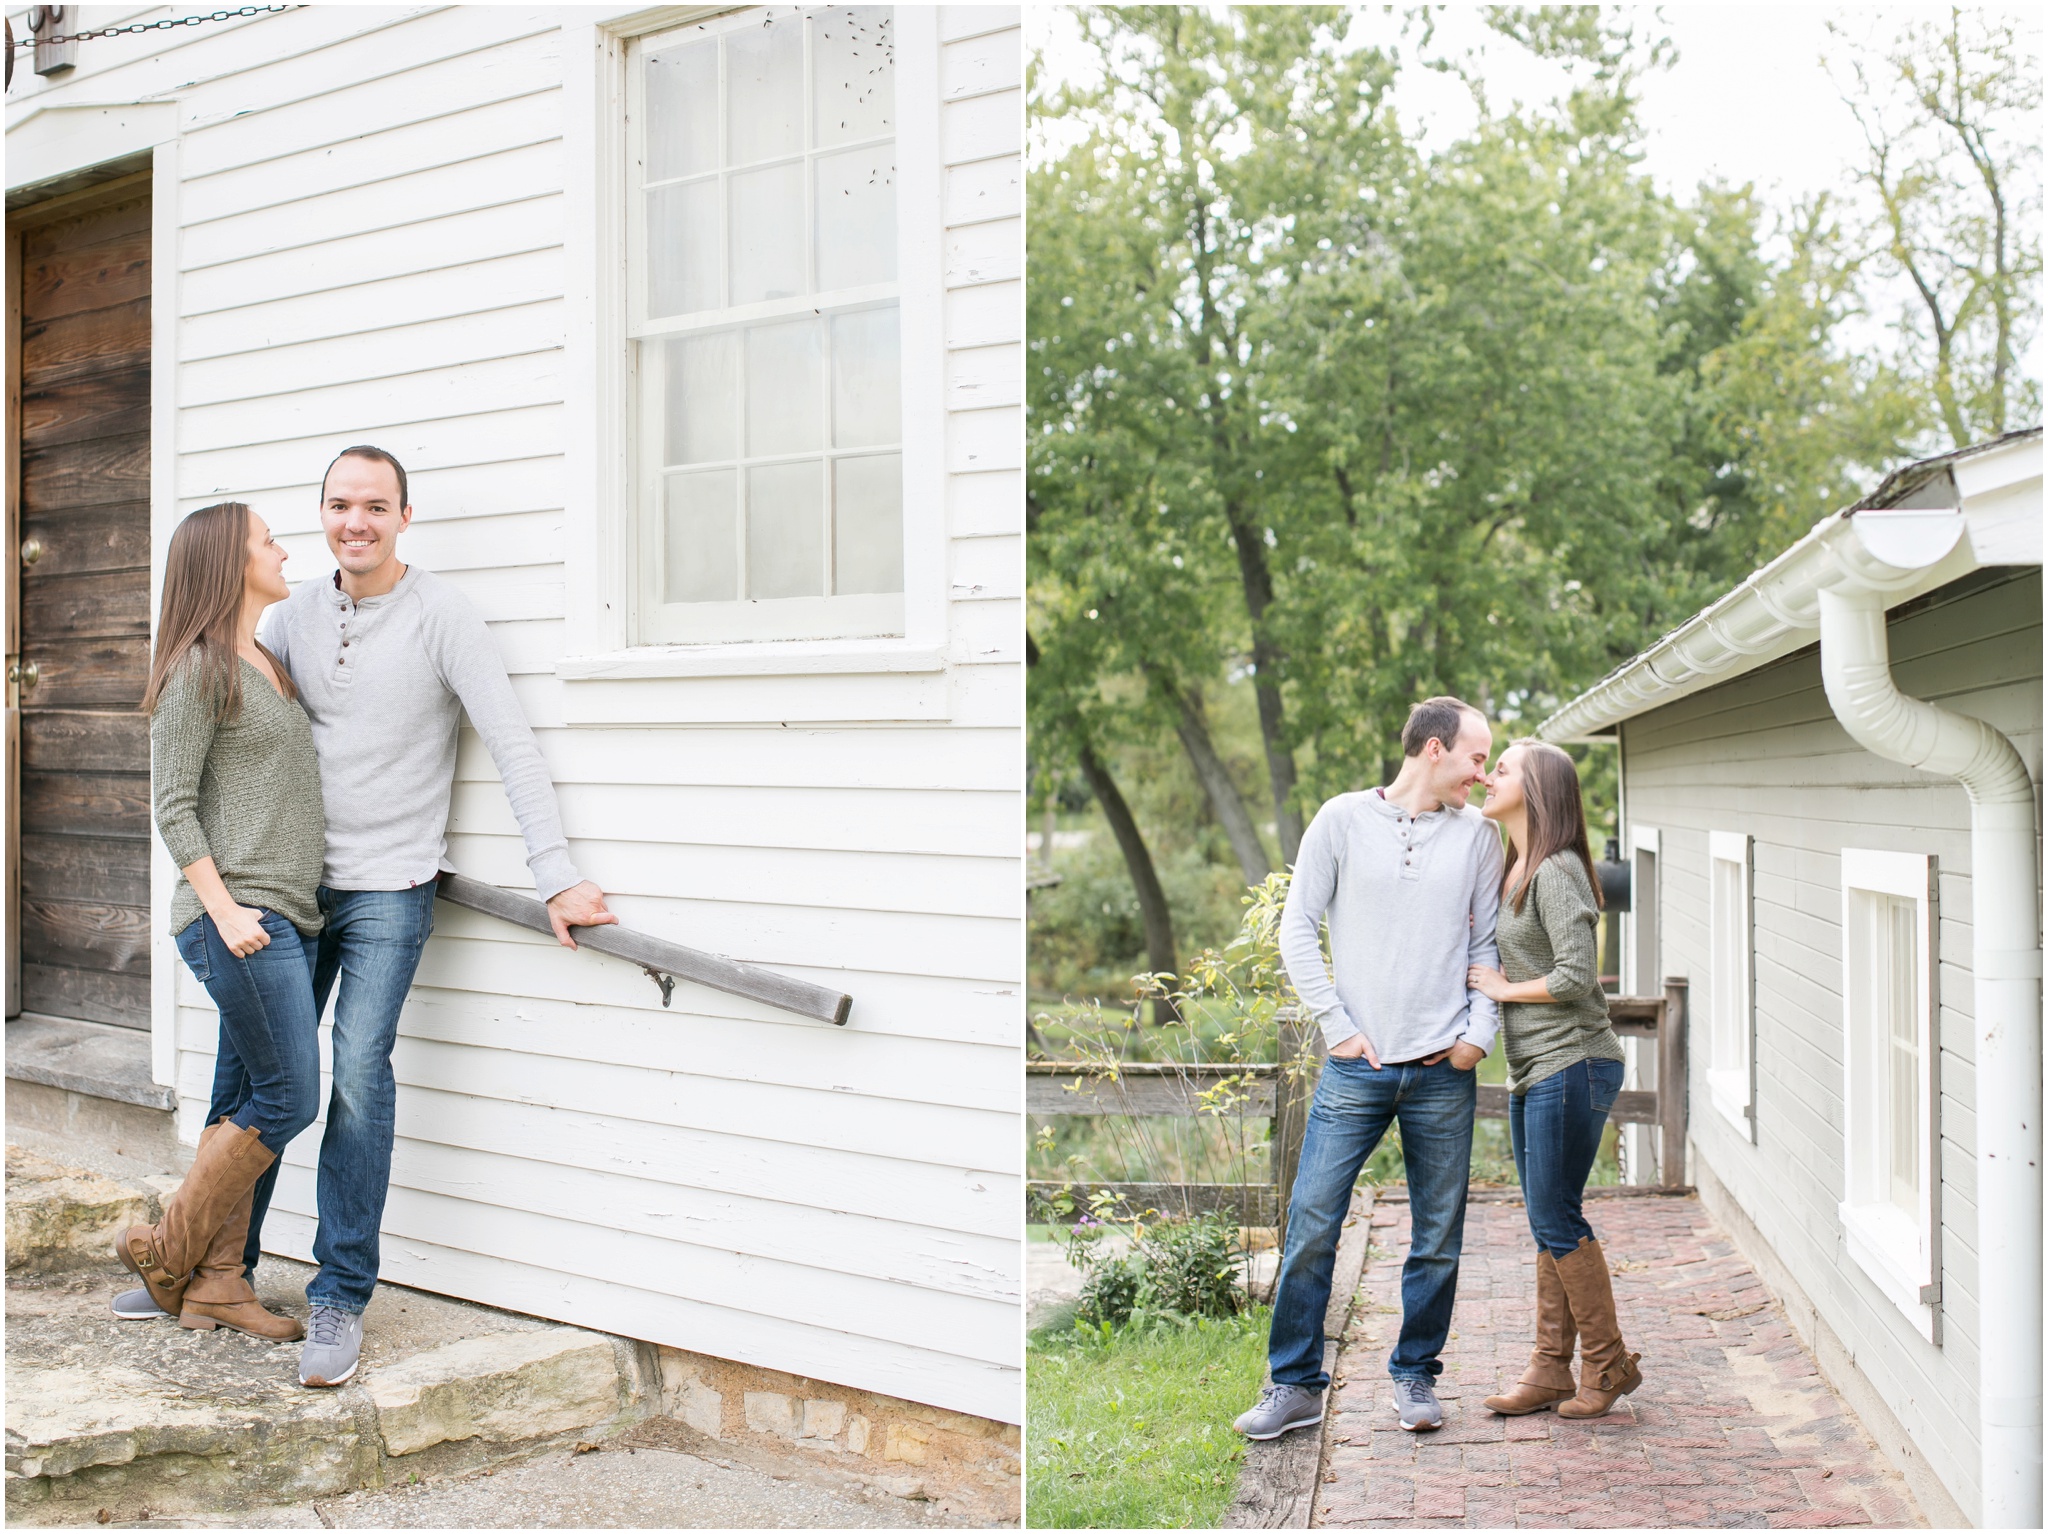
(1855,663)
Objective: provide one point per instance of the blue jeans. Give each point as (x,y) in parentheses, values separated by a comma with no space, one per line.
(1555,1127)
(371,945)
(1353,1106)
(266,1075)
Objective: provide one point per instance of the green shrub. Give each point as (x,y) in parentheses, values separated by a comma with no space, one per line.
(1111,1291)
(1190,1268)
(1175,1270)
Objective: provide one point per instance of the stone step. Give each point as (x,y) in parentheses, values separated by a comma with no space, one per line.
(63,1215)
(144,1415)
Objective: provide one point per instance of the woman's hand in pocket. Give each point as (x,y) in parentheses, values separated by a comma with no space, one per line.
(241,928)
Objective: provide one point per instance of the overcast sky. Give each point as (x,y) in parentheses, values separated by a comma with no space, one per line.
(1749,98)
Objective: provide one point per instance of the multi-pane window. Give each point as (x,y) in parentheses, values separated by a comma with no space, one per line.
(1892,936)
(764,311)
(1731,994)
(1889,1206)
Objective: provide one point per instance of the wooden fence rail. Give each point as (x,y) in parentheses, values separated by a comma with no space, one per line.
(1059,1088)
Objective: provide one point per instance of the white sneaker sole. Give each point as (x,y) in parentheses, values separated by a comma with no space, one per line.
(1269,1437)
(147,1315)
(317,1383)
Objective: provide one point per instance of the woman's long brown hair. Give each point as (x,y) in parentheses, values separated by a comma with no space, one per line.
(1557,818)
(204,575)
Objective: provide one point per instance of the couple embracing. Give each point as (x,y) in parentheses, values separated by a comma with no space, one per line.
(1439,941)
(302,785)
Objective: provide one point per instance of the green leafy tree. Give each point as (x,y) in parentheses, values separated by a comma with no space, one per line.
(1363,424)
(1949,109)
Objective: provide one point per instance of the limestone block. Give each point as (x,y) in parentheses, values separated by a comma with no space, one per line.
(702,1408)
(906,1442)
(769,1411)
(824,1421)
(506,1386)
(61,1217)
(84,1429)
(857,1436)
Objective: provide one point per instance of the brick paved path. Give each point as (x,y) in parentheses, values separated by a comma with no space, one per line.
(1732,1427)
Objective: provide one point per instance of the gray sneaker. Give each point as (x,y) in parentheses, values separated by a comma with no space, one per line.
(334,1344)
(1281,1409)
(1416,1400)
(137,1305)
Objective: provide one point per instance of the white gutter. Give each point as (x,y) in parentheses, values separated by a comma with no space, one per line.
(1776,610)
(1841,579)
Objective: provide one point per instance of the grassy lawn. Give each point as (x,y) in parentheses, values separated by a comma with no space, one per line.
(1135,1433)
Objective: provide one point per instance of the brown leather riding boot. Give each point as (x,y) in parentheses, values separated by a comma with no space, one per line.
(219,1294)
(1548,1379)
(165,1255)
(1607,1370)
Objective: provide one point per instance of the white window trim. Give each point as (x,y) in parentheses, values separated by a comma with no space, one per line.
(1630,972)
(600,519)
(1899,1254)
(1731,1087)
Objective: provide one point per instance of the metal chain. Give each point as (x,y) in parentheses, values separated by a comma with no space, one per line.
(155,26)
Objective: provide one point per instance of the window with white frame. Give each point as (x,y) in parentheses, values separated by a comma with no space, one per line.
(1731,994)
(1890,1194)
(763,312)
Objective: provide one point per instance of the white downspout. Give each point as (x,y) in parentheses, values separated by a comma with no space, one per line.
(2006,964)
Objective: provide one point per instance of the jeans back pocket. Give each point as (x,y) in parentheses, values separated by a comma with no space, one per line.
(1603,1078)
(192,949)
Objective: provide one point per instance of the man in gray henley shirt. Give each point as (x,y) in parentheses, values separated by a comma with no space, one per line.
(387,658)
(1409,878)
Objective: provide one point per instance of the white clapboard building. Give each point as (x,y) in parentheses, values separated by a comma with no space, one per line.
(1830,790)
(699,330)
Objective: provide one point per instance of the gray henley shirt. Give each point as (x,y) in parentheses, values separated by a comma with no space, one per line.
(1411,901)
(385,682)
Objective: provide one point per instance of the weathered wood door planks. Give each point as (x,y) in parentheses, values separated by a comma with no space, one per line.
(82,568)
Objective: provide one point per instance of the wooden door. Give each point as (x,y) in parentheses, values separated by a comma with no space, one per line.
(81,592)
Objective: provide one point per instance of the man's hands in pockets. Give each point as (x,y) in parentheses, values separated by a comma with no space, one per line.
(1462,1056)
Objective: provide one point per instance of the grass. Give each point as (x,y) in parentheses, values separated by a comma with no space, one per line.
(1134,1432)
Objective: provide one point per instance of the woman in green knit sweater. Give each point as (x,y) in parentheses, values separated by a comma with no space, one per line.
(237,798)
(1564,1072)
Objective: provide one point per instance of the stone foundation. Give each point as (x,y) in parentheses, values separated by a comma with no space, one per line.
(971,1464)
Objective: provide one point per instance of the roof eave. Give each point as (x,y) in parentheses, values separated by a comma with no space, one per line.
(1967,510)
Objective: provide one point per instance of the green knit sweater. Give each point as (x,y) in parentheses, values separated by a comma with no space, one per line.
(245,792)
(1551,939)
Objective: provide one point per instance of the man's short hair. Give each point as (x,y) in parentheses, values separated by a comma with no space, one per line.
(1435,719)
(375,455)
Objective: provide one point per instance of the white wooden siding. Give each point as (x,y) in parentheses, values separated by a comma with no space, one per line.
(369,222)
(1764,754)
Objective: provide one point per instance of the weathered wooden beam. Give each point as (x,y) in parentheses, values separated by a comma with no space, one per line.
(1671,1085)
(1252,1203)
(1629,1107)
(1056,1090)
(1634,1009)
(656,955)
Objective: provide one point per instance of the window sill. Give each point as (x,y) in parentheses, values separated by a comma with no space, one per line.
(1728,1091)
(1883,1243)
(840,682)
(834,657)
